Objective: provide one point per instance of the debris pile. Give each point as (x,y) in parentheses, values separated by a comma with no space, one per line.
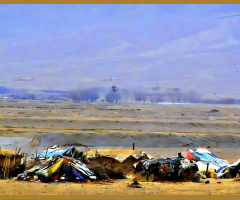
(176,168)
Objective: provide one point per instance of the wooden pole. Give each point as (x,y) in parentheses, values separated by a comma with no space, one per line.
(73,153)
(15,157)
(18,151)
(8,169)
(133,146)
(4,167)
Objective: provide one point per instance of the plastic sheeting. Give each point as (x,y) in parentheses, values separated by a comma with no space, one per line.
(233,169)
(50,171)
(203,156)
(76,174)
(216,165)
(56,151)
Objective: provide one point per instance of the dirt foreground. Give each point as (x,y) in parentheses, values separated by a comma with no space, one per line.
(120,187)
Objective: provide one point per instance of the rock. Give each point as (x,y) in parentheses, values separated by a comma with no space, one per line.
(203,176)
(214,111)
(207,182)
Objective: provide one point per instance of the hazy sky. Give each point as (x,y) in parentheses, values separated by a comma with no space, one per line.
(71,46)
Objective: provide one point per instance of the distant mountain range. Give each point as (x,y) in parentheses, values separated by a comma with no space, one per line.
(4,90)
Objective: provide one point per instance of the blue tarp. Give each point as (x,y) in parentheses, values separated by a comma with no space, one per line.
(50,153)
(80,177)
(70,172)
(211,158)
(220,169)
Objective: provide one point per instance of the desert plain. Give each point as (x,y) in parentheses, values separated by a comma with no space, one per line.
(161,130)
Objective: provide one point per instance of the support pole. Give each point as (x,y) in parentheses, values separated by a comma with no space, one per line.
(46,154)
(207,175)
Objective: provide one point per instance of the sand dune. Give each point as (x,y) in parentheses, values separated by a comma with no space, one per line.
(42,124)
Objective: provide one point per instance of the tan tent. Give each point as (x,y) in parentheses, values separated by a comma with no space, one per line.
(116,159)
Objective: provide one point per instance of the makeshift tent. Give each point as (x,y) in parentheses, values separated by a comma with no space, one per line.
(204,157)
(116,159)
(165,168)
(59,166)
(118,154)
(11,162)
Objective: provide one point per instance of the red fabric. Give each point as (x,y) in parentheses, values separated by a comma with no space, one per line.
(56,177)
(188,155)
(165,167)
(139,165)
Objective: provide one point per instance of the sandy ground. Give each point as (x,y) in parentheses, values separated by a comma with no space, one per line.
(120,187)
(159,130)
